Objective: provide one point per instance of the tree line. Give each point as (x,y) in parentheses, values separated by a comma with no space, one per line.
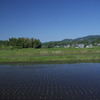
(23,42)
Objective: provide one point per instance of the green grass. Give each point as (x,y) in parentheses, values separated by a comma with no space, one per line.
(49,54)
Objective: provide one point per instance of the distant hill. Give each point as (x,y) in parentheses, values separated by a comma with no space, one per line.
(86,40)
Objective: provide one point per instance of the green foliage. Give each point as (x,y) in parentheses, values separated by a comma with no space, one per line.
(22,43)
(37,43)
(49,54)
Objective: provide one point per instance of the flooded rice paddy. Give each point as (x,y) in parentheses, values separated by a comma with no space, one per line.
(50,82)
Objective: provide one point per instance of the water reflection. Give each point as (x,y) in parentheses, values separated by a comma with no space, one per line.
(51,62)
(50,82)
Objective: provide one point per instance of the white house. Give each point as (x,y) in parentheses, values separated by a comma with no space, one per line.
(89,46)
(80,45)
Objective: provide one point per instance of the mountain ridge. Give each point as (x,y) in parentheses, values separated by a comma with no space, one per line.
(85,39)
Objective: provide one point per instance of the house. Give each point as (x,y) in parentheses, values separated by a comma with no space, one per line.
(89,46)
(80,45)
(66,46)
(98,44)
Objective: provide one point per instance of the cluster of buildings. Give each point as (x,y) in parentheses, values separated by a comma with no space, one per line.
(76,46)
(79,45)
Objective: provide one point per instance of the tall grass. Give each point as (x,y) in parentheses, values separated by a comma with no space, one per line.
(49,54)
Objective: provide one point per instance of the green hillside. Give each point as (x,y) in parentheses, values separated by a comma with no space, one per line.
(91,39)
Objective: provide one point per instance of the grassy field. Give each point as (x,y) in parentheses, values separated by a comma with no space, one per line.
(49,54)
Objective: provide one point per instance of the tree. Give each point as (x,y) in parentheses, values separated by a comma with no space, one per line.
(37,44)
(23,42)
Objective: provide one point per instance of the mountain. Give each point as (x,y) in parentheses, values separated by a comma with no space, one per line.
(87,40)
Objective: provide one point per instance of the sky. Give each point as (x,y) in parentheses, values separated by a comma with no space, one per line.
(49,20)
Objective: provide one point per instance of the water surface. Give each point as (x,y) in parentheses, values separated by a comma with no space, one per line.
(50,82)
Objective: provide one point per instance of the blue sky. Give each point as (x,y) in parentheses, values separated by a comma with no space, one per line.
(49,20)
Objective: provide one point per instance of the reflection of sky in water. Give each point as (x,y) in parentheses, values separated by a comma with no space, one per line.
(50,82)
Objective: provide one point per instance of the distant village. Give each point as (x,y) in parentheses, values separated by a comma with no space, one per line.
(82,42)
(78,45)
